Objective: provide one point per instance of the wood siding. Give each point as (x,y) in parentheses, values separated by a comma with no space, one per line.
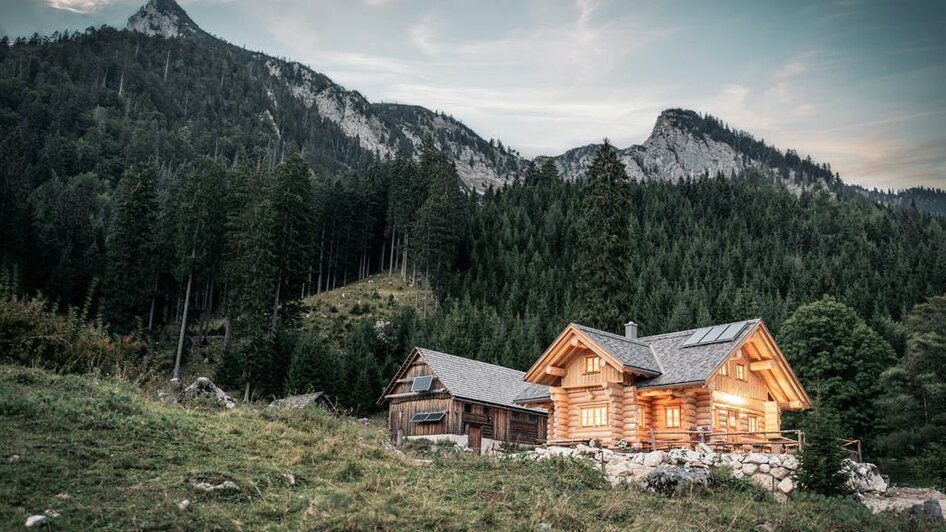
(753,387)
(576,377)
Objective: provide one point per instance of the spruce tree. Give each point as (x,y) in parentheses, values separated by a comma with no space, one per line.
(604,243)
(821,460)
(131,269)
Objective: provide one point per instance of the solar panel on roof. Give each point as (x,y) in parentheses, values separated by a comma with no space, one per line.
(422,383)
(697,335)
(732,331)
(720,333)
(714,334)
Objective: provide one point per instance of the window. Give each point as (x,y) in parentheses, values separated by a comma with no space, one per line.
(672,417)
(724,371)
(592,364)
(753,423)
(427,417)
(594,416)
(642,417)
(468,408)
(727,420)
(741,372)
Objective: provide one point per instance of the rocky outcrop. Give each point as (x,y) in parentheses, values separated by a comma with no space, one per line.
(676,480)
(163,18)
(919,503)
(204,392)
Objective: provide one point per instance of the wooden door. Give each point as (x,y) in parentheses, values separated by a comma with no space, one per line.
(474,437)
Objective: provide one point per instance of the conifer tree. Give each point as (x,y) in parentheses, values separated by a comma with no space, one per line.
(821,459)
(604,243)
(131,269)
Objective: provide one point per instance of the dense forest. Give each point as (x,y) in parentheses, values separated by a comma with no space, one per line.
(140,217)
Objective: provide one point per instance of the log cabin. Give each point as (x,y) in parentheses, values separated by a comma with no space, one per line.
(437,396)
(725,386)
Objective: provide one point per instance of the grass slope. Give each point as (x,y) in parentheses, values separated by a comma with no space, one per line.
(106,456)
(379,297)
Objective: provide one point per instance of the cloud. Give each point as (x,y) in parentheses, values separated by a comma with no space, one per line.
(422,36)
(79,6)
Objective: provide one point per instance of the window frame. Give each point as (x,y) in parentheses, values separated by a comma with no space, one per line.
(741,369)
(593,411)
(724,369)
(595,363)
(642,417)
(752,419)
(672,417)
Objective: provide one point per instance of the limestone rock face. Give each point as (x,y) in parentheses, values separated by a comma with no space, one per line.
(204,391)
(654,459)
(302,401)
(864,477)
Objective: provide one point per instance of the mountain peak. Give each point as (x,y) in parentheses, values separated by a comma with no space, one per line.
(164,18)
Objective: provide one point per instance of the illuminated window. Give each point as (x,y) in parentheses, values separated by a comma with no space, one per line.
(753,423)
(672,416)
(592,364)
(724,371)
(642,416)
(741,372)
(594,416)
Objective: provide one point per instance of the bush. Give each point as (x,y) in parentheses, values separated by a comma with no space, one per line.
(722,480)
(32,334)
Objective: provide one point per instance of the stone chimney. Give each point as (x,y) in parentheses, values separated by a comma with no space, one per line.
(630,329)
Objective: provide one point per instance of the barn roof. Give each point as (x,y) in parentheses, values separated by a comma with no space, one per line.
(480,382)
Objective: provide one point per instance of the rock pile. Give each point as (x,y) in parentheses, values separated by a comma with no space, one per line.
(773,472)
(204,391)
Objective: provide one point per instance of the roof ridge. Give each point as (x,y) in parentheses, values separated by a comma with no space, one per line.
(637,341)
(465,359)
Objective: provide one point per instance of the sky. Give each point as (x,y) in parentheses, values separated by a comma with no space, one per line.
(860,84)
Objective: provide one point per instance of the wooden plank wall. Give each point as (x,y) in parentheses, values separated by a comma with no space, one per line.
(575,375)
(753,387)
(400,414)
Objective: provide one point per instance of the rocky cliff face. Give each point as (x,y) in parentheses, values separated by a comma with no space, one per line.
(384,130)
(163,18)
(676,149)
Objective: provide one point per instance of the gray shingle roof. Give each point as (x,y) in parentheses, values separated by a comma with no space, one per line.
(633,353)
(663,355)
(478,381)
(682,365)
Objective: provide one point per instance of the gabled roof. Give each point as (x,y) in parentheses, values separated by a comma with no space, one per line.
(477,381)
(666,360)
(633,353)
(689,364)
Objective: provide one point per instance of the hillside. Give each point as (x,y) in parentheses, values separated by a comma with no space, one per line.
(378,299)
(104,456)
(166,90)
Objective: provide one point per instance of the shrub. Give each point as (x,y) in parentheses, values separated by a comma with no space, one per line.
(722,480)
(33,334)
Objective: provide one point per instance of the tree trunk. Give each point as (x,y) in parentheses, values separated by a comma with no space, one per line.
(180,340)
(154,298)
(167,62)
(276,305)
(404,262)
(391,262)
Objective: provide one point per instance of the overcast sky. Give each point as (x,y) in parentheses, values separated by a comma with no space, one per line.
(858,84)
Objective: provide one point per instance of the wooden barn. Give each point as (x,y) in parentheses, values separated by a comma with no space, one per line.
(444,397)
(724,386)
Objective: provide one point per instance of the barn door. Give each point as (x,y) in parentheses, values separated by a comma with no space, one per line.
(474,437)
